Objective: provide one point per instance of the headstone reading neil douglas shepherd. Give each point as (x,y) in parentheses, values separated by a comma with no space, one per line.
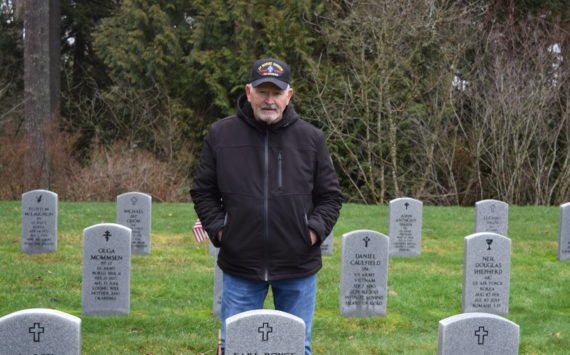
(486,273)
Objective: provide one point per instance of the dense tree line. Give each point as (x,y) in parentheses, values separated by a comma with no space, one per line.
(446,101)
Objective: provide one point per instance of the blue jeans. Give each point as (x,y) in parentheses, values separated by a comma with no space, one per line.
(294,296)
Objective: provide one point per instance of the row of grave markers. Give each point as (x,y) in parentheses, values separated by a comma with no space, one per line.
(275,333)
(48,331)
(364,274)
(40,214)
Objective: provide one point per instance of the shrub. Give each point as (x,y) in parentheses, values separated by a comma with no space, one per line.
(119,169)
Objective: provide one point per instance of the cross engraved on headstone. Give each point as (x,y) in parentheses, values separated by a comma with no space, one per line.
(134,200)
(249,333)
(406,204)
(366,240)
(493,207)
(39,198)
(478,333)
(481,333)
(107,234)
(40,331)
(264,331)
(489,242)
(36,330)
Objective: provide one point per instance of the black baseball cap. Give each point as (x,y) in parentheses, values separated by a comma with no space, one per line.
(269,70)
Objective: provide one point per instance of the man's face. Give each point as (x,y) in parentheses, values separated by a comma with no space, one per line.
(268,101)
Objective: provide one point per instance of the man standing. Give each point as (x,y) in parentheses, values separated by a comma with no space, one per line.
(267,194)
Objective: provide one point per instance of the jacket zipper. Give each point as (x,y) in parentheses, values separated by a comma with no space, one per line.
(280,171)
(266,203)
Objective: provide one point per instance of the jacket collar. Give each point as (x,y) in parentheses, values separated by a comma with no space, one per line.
(245,113)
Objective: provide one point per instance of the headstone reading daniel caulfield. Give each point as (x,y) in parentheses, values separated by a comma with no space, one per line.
(265,331)
(134,212)
(39,222)
(40,331)
(106,270)
(364,274)
(486,273)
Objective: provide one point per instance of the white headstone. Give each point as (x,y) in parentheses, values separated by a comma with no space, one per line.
(218,287)
(40,331)
(486,273)
(265,331)
(39,222)
(405,225)
(564,233)
(212,250)
(327,245)
(134,211)
(106,270)
(364,275)
(492,216)
(478,334)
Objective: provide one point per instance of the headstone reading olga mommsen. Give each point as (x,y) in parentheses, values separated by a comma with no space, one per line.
(39,222)
(106,270)
(492,216)
(265,331)
(486,274)
(134,212)
(405,225)
(478,334)
(364,274)
(564,233)
(40,331)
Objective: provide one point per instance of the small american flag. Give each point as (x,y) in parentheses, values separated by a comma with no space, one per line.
(199,232)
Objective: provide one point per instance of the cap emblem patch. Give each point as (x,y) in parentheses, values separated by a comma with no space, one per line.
(270,69)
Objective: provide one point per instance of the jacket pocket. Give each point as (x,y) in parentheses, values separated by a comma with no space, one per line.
(224,228)
(308,231)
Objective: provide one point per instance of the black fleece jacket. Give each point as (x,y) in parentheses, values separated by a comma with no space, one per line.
(266,186)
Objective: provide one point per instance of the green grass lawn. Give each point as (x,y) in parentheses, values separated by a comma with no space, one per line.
(172,289)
